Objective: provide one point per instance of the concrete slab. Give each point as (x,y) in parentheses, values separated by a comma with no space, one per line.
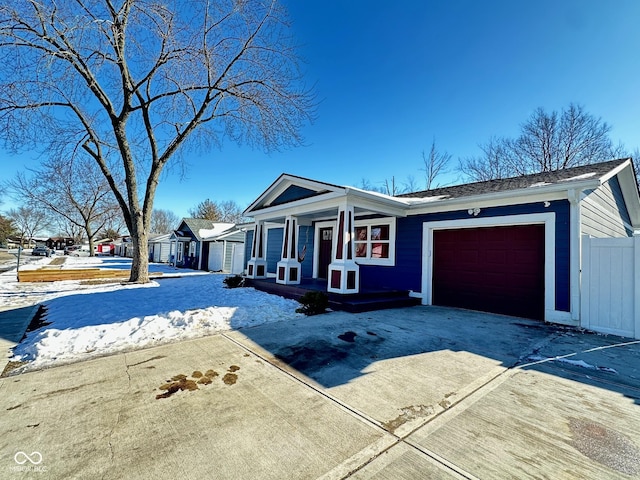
(532,424)
(419,361)
(101,419)
(411,393)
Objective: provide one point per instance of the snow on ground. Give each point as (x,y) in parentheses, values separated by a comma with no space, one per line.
(94,320)
(575,363)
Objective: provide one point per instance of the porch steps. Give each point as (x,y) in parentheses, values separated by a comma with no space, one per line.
(353,303)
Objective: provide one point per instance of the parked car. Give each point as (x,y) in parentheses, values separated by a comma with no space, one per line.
(70,249)
(41,251)
(81,251)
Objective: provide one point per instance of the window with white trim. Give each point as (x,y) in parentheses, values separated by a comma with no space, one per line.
(375,241)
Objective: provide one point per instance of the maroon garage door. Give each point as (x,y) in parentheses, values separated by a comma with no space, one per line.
(491,269)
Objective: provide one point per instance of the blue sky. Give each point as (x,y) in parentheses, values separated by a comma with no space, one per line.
(392,76)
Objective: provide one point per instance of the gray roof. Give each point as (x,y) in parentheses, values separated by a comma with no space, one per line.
(197,224)
(584,172)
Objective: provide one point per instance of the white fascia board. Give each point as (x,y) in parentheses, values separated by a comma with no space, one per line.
(515,197)
(284,182)
(304,206)
(377,203)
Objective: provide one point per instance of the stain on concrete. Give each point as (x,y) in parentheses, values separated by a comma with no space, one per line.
(408,413)
(605,446)
(182,382)
(234,368)
(312,357)
(348,336)
(230,378)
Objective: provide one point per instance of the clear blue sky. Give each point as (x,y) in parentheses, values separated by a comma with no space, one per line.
(392,76)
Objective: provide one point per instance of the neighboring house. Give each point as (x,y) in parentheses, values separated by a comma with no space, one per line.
(188,241)
(123,247)
(225,251)
(105,246)
(510,246)
(59,243)
(160,248)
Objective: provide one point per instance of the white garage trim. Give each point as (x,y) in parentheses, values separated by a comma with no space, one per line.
(546,219)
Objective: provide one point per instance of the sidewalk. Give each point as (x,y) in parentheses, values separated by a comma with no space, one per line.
(424,392)
(13,325)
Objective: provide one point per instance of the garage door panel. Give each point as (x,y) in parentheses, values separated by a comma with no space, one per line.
(495,269)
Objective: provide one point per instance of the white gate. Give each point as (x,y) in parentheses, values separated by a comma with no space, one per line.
(610,301)
(216,256)
(237,258)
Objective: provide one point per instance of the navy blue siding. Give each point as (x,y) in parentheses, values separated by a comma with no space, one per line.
(274,248)
(407,272)
(248,245)
(305,237)
(294,192)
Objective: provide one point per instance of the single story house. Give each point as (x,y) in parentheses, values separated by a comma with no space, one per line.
(160,248)
(123,247)
(194,237)
(59,243)
(510,246)
(225,250)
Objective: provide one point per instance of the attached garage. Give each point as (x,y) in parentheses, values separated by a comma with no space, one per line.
(493,269)
(503,264)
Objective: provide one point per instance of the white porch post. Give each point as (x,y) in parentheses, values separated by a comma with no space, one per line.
(344,272)
(288,268)
(257,265)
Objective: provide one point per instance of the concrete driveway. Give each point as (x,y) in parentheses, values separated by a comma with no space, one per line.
(423,392)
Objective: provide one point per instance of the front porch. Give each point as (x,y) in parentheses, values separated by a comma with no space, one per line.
(363,301)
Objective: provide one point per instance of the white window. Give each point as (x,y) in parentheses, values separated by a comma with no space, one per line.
(375,241)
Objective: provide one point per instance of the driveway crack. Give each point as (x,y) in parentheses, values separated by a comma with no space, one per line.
(119,414)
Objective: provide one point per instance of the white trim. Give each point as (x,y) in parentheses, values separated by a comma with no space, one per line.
(387,262)
(549,222)
(316,242)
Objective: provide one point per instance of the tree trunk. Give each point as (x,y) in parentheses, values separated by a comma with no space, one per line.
(140,262)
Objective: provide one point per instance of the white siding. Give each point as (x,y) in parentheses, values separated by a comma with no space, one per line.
(603,212)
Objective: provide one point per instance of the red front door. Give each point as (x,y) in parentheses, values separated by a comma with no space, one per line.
(324,251)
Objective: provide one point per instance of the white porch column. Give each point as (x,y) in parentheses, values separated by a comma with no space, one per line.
(344,273)
(257,265)
(288,269)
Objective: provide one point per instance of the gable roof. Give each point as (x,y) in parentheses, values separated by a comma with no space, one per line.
(201,227)
(558,177)
(576,178)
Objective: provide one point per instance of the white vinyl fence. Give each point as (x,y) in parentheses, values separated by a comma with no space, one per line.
(611,285)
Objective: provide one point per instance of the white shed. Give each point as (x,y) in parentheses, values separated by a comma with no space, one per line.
(160,248)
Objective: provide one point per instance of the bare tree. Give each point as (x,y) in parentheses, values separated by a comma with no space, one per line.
(230,212)
(163,221)
(29,221)
(547,142)
(489,166)
(435,164)
(73,189)
(134,83)
(206,209)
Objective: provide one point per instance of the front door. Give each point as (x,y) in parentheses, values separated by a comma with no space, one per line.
(324,253)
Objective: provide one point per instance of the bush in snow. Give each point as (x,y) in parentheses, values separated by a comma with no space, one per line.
(313,303)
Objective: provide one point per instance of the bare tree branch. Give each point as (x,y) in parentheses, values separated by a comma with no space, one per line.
(137,83)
